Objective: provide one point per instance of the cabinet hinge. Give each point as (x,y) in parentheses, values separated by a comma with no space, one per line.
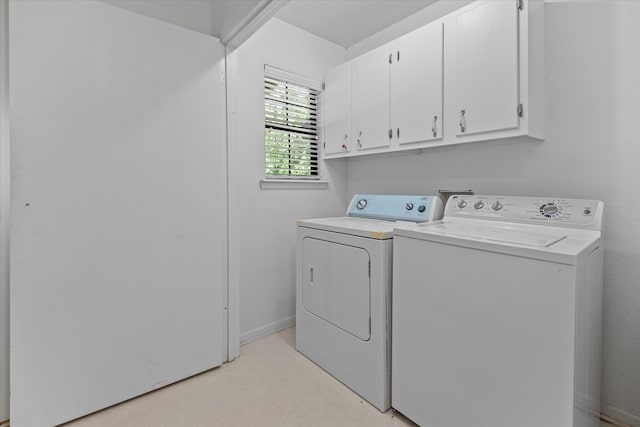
(390,58)
(324,144)
(520,110)
(519,4)
(369,268)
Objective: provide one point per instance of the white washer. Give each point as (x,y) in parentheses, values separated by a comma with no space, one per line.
(343,289)
(497,314)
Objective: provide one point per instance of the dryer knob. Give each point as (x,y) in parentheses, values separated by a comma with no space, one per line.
(409,206)
(362,203)
(496,206)
(422,208)
(479,204)
(462,204)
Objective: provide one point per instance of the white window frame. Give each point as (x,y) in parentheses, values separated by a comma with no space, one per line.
(295,79)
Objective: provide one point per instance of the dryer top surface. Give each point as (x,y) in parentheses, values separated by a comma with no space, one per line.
(363,227)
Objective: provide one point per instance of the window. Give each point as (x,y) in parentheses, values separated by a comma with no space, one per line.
(291,125)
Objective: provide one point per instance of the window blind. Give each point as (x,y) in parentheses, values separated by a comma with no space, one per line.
(291,127)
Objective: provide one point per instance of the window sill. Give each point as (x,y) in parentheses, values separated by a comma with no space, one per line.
(293,184)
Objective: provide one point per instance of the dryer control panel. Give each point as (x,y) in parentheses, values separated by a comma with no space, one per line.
(574,213)
(396,207)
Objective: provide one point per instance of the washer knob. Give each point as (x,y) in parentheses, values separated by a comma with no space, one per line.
(478,205)
(550,209)
(421,208)
(496,206)
(409,206)
(462,203)
(362,203)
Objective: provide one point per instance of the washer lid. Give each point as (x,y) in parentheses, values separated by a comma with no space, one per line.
(500,233)
(555,244)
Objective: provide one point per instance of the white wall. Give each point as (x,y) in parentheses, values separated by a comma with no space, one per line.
(592,150)
(263,222)
(4,210)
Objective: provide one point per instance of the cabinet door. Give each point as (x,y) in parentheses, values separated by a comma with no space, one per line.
(416,86)
(486,68)
(336,110)
(371,106)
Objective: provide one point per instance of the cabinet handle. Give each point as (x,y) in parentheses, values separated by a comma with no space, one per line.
(398,56)
(434,129)
(359,143)
(391,58)
(390,133)
(398,132)
(463,122)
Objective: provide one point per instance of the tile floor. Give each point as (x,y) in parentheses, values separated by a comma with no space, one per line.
(270,384)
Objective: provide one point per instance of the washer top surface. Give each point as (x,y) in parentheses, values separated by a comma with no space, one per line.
(499,232)
(375,216)
(557,230)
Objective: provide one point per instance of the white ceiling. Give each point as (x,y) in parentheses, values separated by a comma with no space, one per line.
(215,17)
(226,14)
(346,22)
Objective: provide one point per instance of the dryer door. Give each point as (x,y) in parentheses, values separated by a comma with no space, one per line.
(336,285)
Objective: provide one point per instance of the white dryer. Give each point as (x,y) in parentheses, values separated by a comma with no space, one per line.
(507,332)
(343,289)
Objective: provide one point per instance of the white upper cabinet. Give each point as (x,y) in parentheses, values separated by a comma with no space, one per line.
(336,111)
(370,103)
(475,74)
(485,81)
(416,85)
(494,71)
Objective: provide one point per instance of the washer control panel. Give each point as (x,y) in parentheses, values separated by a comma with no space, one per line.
(396,207)
(574,213)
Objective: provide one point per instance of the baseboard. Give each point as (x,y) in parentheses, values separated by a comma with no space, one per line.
(263,331)
(622,416)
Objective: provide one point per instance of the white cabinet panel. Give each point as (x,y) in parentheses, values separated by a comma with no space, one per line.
(118,207)
(416,85)
(486,64)
(336,110)
(476,74)
(370,108)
